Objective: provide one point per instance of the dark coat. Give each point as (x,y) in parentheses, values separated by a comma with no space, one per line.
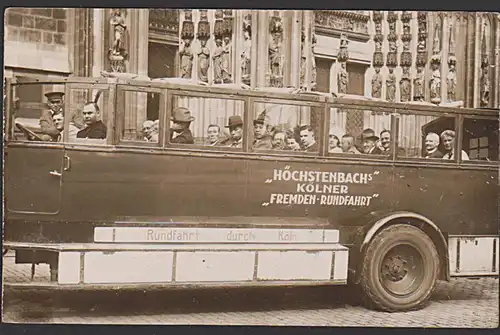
(186,137)
(97,130)
(263,143)
(435,154)
(48,127)
(312,148)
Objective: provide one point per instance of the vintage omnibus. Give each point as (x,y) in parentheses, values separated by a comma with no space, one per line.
(268,187)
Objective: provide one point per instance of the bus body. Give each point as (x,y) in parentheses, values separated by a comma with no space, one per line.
(130,213)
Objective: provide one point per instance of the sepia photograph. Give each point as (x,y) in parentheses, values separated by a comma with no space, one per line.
(168,166)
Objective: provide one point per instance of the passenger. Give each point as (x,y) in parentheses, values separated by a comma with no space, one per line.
(369,142)
(55,103)
(348,146)
(431,146)
(214,138)
(291,142)
(94,128)
(261,132)
(279,140)
(448,139)
(385,144)
(181,119)
(147,130)
(307,139)
(155,131)
(333,141)
(235,125)
(59,124)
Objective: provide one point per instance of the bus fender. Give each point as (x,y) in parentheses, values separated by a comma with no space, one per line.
(414,219)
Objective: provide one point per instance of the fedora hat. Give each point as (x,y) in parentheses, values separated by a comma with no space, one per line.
(369,134)
(234,121)
(54,95)
(182,114)
(263,118)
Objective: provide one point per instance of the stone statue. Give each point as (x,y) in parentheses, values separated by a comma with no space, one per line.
(405,85)
(435,83)
(203,61)
(186,58)
(342,78)
(226,61)
(377,84)
(390,83)
(451,80)
(217,57)
(118,53)
(485,88)
(418,85)
(275,59)
(246,56)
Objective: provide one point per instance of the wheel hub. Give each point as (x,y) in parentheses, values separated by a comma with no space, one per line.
(395,268)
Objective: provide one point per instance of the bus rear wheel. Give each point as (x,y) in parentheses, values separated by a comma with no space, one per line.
(400,269)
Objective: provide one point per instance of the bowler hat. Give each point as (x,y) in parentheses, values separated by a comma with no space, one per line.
(369,134)
(182,114)
(234,121)
(263,118)
(54,95)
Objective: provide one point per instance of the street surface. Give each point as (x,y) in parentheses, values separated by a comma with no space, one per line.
(459,303)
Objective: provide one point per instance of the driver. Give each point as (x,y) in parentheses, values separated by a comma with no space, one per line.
(55,104)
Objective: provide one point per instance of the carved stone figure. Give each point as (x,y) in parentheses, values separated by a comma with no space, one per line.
(435,82)
(377,84)
(226,61)
(186,59)
(313,64)
(246,56)
(276,59)
(390,83)
(217,57)
(485,88)
(451,79)
(203,61)
(418,85)
(342,78)
(405,85)
(117,53)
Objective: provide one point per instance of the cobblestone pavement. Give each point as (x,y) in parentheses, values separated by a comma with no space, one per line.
(459,303)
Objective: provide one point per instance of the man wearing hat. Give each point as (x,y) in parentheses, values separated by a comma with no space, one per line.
(181,120)
(55,104)
(235,125)
(262,139)
(370,142)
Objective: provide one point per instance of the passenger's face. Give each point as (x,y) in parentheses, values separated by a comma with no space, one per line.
(147,128)
(260,130)
(55,105)
(385,140)
(236,133)
(431,143)
(292,144)
(58,121)
(333,141)
(213,134)
(279,141)
(448,142)
(346,143)
(367,145)
(306,138)
(89,114)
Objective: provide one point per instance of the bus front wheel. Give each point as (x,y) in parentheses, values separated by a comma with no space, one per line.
(400,269)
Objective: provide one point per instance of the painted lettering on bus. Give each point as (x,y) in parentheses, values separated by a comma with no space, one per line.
(240,236)
(322,177)
(287,236)
(171,235)
(345,200)
(318,188)
(292,199)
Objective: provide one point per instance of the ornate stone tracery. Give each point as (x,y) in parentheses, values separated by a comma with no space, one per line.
(342,57)
(276,56)
(118,53)
(392,57)
(406,59)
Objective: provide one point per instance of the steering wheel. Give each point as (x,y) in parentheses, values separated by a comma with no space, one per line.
(29,134)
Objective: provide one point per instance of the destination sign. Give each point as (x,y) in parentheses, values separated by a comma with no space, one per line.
(321,188)
(213,235)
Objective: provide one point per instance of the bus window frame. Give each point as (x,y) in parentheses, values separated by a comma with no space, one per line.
(212,94)
(475,162)
(120,116)
(364,157)
(439,114)
(110,113)
(295,102)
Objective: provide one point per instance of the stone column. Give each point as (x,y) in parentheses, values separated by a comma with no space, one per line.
(446,19)
(435,80)
(378,56)
(421,60)
(295,48)
(477,60)
(392,57)
(484,81)
(203,51)
(262,58)
(497,63)
(451,78)
(276,50)
(406,59)
(253,50)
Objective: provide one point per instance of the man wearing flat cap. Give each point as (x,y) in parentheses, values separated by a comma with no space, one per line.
(262,139)
(181,120)
(55,103)
(370,142)
(235,125)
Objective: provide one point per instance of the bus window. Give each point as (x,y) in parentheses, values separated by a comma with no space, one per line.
(359,132)
(426,136)
(480,138)
(88,112)
(207,122)
(285,127)
(139,116)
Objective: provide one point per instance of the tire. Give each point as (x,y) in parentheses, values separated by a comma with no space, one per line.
(400,269)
